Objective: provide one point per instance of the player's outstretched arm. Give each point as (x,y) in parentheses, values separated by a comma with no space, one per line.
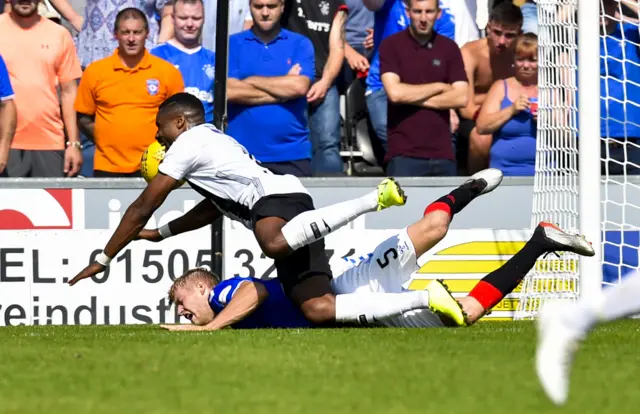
(136,216)
(246,299)
(201,215)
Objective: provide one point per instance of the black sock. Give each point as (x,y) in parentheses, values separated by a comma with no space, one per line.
(505,279)
(461,196)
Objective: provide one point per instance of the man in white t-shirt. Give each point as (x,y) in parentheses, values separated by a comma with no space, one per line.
(464,14)
(277,208)
(239,20)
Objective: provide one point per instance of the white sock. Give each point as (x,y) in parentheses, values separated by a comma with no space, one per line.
(365,308)
(313,225)
(615,303)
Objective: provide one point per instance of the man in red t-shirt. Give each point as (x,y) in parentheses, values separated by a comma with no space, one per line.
(423,76)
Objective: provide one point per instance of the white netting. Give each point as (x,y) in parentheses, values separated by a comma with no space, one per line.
(555,195)
(620,74)
(556,180)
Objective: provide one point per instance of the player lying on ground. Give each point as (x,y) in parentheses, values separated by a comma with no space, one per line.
(394,303)
(277,208)
(212,304)
(562,326)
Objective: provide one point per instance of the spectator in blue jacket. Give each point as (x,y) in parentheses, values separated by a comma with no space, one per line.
(270,73)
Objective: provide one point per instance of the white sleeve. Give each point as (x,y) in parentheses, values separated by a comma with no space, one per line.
(179,161)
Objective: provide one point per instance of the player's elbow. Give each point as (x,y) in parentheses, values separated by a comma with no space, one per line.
(277,248)
(139,211)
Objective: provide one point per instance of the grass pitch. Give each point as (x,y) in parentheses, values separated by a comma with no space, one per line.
(141,369)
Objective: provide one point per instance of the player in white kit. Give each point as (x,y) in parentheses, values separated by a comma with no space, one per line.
(252,303)
(278,209)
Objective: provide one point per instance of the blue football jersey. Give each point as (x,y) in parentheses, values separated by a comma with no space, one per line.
(276,311)
(197,67)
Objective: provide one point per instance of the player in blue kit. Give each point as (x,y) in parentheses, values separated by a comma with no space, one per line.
(240,302)
(185,52)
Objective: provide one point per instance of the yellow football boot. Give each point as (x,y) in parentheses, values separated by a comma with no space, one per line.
(390,194)
(444,304)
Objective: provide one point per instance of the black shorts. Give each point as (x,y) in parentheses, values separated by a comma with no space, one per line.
(307,261)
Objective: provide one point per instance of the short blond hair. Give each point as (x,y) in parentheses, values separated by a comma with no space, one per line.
(527,45)
(210,280)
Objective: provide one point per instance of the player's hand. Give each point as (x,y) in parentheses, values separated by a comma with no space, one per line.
(295,69)
(91,270)
(175,328)
(521,104)
(149,235)
(368,41)
(318,91)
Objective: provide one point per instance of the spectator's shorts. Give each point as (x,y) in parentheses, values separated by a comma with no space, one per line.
(34,163)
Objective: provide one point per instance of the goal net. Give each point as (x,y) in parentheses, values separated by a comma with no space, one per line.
(588,149)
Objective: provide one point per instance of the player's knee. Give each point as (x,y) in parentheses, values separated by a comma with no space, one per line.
(436,225)
(276,248)
(321,310)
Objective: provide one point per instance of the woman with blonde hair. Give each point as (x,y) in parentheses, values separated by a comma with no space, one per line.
(510,113)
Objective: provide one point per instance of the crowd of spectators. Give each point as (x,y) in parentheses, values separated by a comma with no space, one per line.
(444,96)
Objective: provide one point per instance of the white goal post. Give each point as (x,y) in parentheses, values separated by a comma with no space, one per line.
(567,183)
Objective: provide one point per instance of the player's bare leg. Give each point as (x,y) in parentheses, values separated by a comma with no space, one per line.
(496,285)
(562,326)
(279,238)
(432,228)
(429,231)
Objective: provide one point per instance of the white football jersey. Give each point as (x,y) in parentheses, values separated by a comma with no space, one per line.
(222,170)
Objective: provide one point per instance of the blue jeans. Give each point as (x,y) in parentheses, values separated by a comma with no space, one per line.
(420,167)
(324,131)
(377,106)
(530,18)
(88,152)
(299,168)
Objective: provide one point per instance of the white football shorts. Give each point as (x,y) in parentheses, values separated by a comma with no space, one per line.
(385,271)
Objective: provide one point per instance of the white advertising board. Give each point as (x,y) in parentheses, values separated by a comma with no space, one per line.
(35,266)
(461,259)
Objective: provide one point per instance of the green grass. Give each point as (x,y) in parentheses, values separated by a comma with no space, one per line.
(141,369)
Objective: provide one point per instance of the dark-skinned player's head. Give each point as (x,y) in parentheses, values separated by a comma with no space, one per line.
(505,24)
(177,114)
(190,292)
